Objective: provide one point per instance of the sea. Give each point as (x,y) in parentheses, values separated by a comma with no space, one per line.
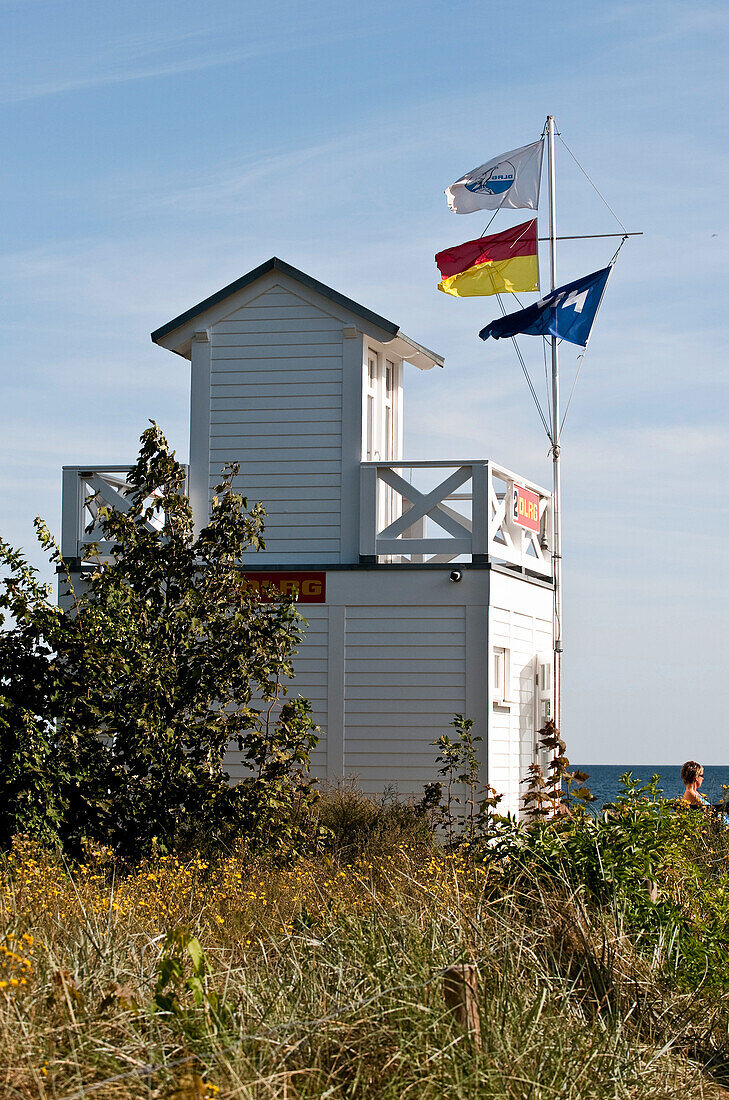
(604,781)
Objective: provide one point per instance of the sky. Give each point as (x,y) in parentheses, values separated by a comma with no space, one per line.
(153,153)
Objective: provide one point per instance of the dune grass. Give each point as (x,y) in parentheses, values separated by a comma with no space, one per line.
(188,979)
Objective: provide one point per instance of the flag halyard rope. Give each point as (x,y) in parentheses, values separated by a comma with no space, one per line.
(529,382)
(592,184)
(580,361)
(581,358)
(550,433)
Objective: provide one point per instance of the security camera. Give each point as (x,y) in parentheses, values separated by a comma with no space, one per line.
(456,576)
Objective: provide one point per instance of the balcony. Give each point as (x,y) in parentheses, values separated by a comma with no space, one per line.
(85,490)
(473,512)
(410,513)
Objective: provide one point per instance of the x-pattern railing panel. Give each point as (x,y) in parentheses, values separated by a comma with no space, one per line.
(426,504)
(85,491)
(489,530)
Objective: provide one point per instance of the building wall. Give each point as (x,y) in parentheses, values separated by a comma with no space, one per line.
(384,664)
(395,653)
(276,381)
(311,681)
(277,385)
(521,622)
(405,677)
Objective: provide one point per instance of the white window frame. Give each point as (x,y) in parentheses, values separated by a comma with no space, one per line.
(379,407)
(543,688)
(501,675)
(376,447)
(371,433)
(389,406)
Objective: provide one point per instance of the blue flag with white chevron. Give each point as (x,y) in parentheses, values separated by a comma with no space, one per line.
(567,313)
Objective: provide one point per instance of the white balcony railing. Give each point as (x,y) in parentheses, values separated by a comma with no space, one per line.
(409,512)
(467,514)
(85,490)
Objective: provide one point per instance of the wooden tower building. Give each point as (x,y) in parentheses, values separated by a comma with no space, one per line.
(426,584)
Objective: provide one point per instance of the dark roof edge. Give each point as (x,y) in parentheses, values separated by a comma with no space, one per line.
(274,264)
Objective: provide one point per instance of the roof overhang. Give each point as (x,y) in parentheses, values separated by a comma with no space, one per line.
(177,334)
(405,348)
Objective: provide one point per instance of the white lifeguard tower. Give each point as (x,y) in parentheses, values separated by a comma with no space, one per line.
(426,584)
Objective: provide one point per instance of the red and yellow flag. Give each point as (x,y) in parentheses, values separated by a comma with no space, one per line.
(497,264)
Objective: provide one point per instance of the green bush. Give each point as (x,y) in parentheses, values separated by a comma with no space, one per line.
(661,864)
(356,824)
(116,715)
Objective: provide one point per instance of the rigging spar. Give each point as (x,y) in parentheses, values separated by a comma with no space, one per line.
(507,262)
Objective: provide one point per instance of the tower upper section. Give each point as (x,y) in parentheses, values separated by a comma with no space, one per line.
(298,384)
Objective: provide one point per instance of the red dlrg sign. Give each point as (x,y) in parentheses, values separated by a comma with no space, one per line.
(304,587)
(526,508)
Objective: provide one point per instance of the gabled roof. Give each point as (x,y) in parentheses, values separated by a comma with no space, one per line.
(417,351)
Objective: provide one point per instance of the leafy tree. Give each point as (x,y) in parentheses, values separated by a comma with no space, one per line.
(458,760)
(132,696)
(28,794)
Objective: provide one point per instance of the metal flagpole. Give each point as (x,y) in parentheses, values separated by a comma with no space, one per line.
(556,473)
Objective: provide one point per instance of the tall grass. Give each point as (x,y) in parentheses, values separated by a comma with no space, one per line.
(324,979)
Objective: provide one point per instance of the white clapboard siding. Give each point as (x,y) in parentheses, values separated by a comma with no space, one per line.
(289,423)
(310,666)
(248,419)
(405,677)
(328,445)
(284,359)
(275,313)
(226,392)
(276,408)
(283,492)
(256,469)
(227,331)
(288,344)
(276,296)
(327,487)
(280,517)
(223,407)
(388,694)
(512,732)
(275,371)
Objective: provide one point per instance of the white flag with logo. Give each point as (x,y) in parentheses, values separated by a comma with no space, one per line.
(511,180)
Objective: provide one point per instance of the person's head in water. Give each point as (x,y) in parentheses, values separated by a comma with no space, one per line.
(692,774)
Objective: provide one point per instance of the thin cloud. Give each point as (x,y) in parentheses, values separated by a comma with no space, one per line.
(139,63)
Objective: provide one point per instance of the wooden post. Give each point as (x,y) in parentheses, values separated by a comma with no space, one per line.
(480,512)
(460,990)
(71,508)
(651,889)
(368,514)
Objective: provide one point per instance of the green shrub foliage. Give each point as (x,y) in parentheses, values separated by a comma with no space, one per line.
(115,713)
